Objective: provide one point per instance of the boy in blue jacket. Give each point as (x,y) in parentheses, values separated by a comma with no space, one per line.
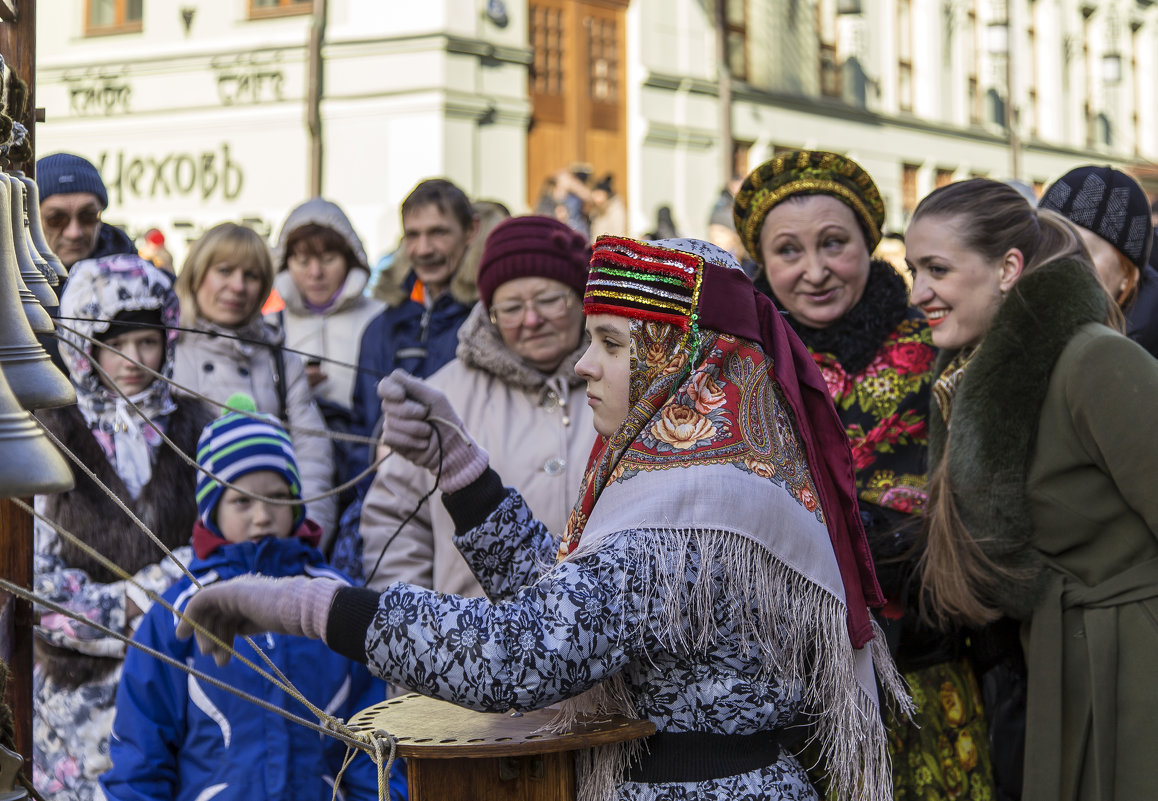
(176,738)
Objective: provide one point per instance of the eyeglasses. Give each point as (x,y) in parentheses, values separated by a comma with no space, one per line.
(59,220)
(548,307)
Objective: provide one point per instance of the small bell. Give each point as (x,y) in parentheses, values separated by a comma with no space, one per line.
(32,378)
(10,765)
(33,277)
(40,243)
(33,253)
(29,463)
(34,312)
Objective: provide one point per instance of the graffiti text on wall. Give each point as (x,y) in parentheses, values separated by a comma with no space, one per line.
(181,174)
(247,80)
(97,94)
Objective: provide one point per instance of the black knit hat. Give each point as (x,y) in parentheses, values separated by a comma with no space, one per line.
(1107,202)
(64,173)
(532,246)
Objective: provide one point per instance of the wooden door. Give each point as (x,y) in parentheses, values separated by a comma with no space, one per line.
(576,83)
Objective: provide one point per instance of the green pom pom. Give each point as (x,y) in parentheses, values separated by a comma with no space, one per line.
(241,402)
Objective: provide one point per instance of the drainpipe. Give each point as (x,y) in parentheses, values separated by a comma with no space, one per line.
(724,77)
(314,95)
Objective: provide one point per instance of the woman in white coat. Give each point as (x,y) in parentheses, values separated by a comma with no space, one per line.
(223,283)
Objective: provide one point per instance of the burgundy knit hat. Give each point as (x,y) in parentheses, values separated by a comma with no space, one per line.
(533,247)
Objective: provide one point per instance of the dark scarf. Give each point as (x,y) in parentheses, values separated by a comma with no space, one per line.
(995,415)
(166,505)
(856,337)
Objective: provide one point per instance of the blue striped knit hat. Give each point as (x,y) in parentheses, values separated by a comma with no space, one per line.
(235,445)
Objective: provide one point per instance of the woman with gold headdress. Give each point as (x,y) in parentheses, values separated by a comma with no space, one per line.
(813,219)
(713,578)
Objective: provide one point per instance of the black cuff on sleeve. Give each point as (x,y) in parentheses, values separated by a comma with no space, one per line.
(351,614)
(474,503)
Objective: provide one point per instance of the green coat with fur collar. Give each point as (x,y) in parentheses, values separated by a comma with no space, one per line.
(1054,461)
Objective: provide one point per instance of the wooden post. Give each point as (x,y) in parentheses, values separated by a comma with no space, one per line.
(18,46)
(16,620)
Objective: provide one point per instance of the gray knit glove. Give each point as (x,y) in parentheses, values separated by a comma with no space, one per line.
(296,605)
(408,406)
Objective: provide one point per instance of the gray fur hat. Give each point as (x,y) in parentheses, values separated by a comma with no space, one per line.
(320,211)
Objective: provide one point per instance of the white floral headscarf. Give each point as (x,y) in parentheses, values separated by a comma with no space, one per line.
(96,292)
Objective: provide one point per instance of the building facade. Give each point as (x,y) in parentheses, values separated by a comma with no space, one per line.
(201,111)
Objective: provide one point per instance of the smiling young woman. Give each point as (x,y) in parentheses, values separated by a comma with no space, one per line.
(1042,505)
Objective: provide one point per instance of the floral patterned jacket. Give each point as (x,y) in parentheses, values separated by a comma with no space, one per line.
(71,725)
(543,637)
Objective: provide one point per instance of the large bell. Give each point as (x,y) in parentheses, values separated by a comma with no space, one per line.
(37,226)
(29,463)
(33,379)
(34,312)
(33,277)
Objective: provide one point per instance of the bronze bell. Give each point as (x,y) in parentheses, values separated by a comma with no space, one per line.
(33,253)
(29,463)
(33,278)
(39,242)
(10,765)
(34,380)
(34,312)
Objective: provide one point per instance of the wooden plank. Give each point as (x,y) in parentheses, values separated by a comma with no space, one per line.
(545,777)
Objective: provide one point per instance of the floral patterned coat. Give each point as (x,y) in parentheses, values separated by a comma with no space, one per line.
(547,637)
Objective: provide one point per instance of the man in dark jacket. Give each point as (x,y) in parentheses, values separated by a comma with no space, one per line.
(72,198)
(418,330)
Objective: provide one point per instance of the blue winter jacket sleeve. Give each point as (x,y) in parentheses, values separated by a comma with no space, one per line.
(149,727)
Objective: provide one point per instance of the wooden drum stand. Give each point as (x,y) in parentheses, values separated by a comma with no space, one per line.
(456,754)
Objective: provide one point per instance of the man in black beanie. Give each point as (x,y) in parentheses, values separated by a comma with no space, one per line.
(72,198)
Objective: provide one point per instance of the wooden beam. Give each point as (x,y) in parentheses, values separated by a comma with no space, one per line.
(18,46)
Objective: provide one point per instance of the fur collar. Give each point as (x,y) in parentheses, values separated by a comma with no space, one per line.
(995,415)
(481,347)
(166,505)
(856,338)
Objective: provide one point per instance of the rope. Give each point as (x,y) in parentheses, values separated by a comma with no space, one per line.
(380,745)
(235,337)
(253,415)
(373,468)
(184,390)
(332,726)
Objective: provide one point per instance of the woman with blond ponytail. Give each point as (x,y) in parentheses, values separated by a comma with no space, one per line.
(1041,508)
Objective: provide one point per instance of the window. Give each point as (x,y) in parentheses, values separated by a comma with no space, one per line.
(736,23)
(829,61)
(908,189)
(741,153)
(259,9)
(1034,105)
(974,40)
(944,177)
(905,55)
(112,16)
(603,60)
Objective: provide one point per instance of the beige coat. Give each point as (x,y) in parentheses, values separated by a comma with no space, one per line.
(336,334)
(220,366)
(536,444)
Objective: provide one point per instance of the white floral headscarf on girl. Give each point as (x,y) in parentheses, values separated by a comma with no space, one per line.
(97,291)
